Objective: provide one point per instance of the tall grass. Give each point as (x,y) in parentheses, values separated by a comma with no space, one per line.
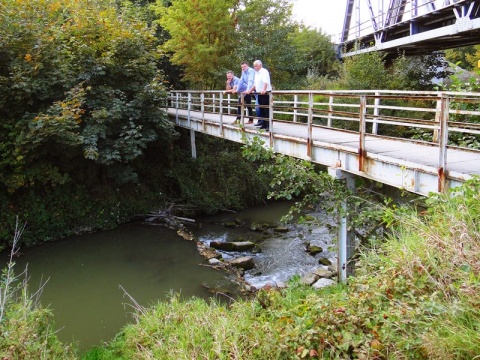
(26,329)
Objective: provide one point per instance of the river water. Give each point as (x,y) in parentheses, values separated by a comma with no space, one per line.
(85,272)
(282,255)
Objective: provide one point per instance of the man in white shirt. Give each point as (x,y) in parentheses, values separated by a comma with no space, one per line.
(263,86)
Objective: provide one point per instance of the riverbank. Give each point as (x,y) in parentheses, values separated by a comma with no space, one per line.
(414,296)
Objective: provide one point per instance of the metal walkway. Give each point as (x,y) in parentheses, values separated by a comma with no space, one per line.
(410,26)
(365,133)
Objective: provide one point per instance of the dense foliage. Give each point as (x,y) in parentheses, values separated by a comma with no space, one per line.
(80,102)
(201,37)
(375,70)
(76,89)
(465,57)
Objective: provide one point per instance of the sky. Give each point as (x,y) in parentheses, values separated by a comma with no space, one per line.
(328,15)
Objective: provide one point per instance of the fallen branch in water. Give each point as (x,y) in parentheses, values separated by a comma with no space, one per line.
(157,216)
(167,216)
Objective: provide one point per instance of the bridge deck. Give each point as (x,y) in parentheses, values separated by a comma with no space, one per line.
(409,165)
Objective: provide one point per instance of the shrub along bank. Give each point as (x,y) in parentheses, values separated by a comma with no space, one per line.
(220,178)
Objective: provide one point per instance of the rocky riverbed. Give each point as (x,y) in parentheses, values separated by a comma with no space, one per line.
(270,253)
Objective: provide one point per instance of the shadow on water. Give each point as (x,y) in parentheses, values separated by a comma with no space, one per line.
(84,274)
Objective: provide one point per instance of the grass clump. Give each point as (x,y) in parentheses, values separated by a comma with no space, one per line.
(26,329)
(192,329)
(414,297)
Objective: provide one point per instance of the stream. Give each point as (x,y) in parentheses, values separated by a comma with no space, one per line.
(85,277)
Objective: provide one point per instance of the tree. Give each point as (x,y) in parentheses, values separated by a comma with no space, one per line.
(418,72)
(79,89)
(463,56)
(474,57)
(207,38)
(365,72)
(315,52)
(265,28)
(202,38)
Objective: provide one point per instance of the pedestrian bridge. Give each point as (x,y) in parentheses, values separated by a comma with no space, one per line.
(421,142)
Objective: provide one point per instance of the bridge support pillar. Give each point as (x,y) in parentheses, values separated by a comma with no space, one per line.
(192,142)
(345,237)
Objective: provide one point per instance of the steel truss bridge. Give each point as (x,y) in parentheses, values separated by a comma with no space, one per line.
(409,26)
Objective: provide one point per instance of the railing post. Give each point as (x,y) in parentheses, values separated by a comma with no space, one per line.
(330,111)
(213,103)
(295,104)
(189,105)
(229,106)
(176,108)
(242,109)
(376,113)
(192,132)
(309,125)
(443,142)
(202,107)
(221,114)
(270,118)
(438,111)
(362,128)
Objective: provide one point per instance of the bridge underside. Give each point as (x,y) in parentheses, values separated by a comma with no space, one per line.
(412,29)
(337,150)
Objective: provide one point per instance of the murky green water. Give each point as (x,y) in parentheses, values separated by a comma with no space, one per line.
(84,274)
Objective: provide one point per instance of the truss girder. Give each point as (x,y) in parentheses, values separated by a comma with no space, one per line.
(395,12)
(416,26)
(347,20)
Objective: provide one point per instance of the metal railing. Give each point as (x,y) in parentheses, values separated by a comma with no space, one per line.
(438,118)
(436,121)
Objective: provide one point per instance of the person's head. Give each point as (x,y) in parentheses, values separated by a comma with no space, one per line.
(230,75)
(257,65)
(244,65)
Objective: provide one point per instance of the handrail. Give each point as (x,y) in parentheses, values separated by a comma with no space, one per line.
(416,110)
